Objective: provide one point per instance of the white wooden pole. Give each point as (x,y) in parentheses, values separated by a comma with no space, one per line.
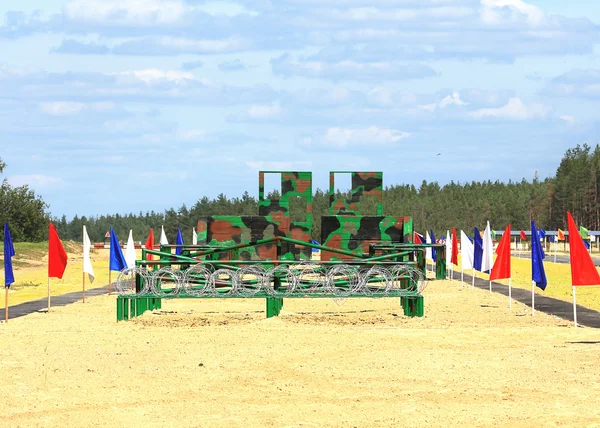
(462,275)
(532,298)
(490,287)
(473,282)
(555,252)
(48,294)
(509,294)
(574,307)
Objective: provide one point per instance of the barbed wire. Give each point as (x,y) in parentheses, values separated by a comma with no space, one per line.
(300,279)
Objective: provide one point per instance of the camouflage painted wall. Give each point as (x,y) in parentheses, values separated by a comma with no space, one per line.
(293,184)
(218,231)
(273,220)
(355,233)
(363,184)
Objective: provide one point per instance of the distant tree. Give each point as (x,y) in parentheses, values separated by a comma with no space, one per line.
(24,211)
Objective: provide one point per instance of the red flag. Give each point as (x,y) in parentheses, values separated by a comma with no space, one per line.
(501,268)
(561,235)
(454,257)
(150,244)
(583,271)
(523,236)
(57,256)
(417,238)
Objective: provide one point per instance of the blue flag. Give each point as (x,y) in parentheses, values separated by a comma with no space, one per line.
(586,243)
(551,238)
(433,255)
(542,233)
(117,261)
(478,247)
(179,241)
(538,275)
(9,253)
(314,250)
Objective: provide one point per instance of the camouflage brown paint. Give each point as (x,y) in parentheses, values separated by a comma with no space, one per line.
(363,183)
(293,184)
(356,233)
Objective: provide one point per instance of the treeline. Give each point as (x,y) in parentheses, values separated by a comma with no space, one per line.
(431,206)
(574,188)
(25,211)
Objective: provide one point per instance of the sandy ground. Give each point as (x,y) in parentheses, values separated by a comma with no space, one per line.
(470,360)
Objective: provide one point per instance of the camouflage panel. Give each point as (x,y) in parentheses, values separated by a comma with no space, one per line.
(408,230)
(234,230)
(293,184)
(363,184)
(357,233)
(201,230)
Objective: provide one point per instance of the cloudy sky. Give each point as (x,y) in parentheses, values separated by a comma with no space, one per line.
(129,105)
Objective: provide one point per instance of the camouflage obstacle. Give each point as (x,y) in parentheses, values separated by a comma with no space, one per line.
(268,255)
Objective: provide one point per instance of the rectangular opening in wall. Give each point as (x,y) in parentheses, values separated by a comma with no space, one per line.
(297,208)
(343,184)
(273,186)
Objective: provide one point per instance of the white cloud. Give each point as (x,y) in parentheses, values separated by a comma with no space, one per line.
(342,137)
(36,181)
(496,12)
(448,100)
(350,69)
(263,112)
(69,108)
(192,135)
(153,76)
(406,14)
(126,12)
(515,109)
(567,118)
(179,45)
(278,165)
(61,108)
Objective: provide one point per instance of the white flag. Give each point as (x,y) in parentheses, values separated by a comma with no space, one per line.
(87,262)
(428,254)
(487,261)
(130,251)
(163,237)
(194,236)
(449,244)
(467,251)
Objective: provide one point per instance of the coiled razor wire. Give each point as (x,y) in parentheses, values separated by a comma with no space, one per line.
(300,279)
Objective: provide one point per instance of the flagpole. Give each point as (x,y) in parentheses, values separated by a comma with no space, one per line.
(532,298)
(509,294)
(109,281)
(48,294)
(462,275)
(574,307)
(5,304)
(83,291)
(490,287)
(555,252)
(473,279)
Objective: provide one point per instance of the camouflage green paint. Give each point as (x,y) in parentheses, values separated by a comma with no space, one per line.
(363,183)
(358,233)
(293,184)
(222,231)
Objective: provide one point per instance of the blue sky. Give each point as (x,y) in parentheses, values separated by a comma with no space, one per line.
(120,106)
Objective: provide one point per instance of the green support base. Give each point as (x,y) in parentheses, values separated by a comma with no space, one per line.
(413,306)
(131,307)
(274,306)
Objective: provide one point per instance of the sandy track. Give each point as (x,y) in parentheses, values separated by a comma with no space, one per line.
(470,360)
